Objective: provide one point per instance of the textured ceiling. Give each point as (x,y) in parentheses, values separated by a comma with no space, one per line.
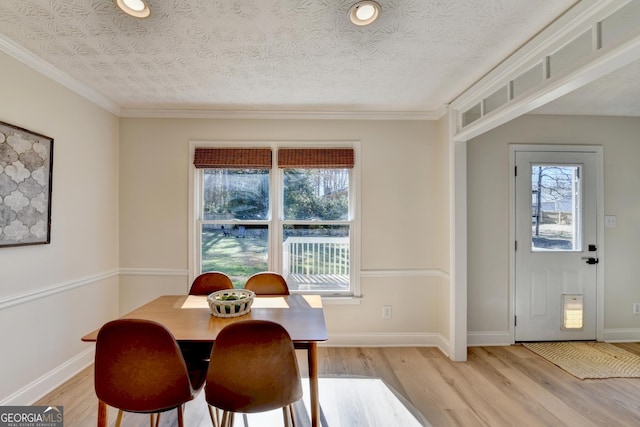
(276,54)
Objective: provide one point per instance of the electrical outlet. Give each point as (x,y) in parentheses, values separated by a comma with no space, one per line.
(636,308)
(386,312)
(610,221)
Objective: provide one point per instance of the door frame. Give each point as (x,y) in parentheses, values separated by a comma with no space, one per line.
(598,151)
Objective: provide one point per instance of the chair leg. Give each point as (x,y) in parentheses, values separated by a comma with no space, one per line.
(119,418)
(180,416)
(286,415)
(103,415)
(228,419)
(214,414)
(225,419)
(213,418)
(293,416)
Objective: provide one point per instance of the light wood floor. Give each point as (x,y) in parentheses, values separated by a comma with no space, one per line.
(497,386)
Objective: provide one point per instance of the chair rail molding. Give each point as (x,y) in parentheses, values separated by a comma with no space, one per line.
(154,272)
(13,300)
(406,273)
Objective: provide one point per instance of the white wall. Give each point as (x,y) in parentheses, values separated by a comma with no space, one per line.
(51,295)
(403,218)
(488,221)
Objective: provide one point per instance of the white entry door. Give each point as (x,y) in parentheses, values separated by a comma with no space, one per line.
(556,258)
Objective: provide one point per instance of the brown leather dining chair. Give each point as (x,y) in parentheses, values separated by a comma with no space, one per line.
(204,284)
(267,283)
(209,282)
(139,368)
(260,371)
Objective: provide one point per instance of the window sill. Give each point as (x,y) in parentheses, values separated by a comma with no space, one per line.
(338,300)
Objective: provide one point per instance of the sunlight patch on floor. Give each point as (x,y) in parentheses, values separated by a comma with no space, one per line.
(346,402)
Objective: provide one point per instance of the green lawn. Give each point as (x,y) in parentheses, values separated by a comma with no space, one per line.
(238,257)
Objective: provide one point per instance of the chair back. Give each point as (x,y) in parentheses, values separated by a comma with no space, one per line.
(253,368)
(267,283)
(209,282)
(139,367)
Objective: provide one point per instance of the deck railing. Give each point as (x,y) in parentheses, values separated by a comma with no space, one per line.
(316,256)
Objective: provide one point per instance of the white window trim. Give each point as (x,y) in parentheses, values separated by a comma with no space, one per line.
(275,236)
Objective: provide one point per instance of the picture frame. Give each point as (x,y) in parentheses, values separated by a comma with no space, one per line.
(26,178)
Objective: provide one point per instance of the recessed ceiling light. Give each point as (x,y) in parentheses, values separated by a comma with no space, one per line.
(137,8)
(364,12)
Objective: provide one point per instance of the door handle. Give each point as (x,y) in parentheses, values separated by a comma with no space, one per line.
(592,260)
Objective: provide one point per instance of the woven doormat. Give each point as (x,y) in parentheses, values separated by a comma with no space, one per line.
(587,360)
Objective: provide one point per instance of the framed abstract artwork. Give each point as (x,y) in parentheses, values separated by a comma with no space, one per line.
(26,165)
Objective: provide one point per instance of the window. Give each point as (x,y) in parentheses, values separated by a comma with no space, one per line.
(290,210)
(316,222)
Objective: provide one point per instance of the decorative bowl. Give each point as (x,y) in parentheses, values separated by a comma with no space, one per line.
(230,302)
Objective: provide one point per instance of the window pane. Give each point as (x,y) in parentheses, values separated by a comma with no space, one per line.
(471,115)
(237,250)
(316,257)
(555,208)
(496,100)
(570,55)
(528,79)
(316,194)
(241,194)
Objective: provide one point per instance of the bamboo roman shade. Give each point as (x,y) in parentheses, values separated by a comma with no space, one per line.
(219,158)
(320,158)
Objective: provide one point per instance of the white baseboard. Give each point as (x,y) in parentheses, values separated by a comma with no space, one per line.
(490,338)
(622,335)
(495,338)
(34,391)
(388,340)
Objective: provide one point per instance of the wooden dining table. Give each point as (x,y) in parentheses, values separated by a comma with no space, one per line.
(189,318)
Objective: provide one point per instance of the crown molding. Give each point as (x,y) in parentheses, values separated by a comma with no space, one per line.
(48,70)
(204,113)
(45,68)
(36,63)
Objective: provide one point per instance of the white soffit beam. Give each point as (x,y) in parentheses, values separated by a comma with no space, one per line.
(581,18)
(603,63)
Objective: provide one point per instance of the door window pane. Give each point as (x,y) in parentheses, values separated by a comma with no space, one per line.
(555,207)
